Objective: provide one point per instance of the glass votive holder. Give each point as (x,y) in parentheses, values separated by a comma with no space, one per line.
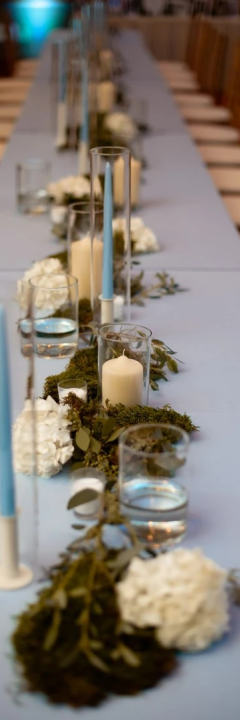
(24,320)
(54,311)
(138,109)
(152,478)
(32,180)
(89,479)
(124,363)
(73,385)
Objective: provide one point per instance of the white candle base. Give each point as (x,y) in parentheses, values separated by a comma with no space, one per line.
(61,138)
(93,507)
(107,310)
(12,575)
(118,306)
(83,158)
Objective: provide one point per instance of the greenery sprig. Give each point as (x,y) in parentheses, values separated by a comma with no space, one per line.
(164,285)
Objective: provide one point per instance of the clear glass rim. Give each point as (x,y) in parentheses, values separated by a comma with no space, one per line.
(107,151)
(72,382)
(35,163)
(102,331)
(174,428)
(88,472)
(87,208)
(70,281)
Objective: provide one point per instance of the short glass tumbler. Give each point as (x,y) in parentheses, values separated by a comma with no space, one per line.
(77,386)
(124,352)
(55,315)
(152,493)
(32,180)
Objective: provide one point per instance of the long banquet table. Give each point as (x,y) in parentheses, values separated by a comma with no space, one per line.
(201,248)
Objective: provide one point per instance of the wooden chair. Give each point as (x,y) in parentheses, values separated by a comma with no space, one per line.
(174,70)
(180,76)
(2,148)
(232,205)
(219,155)
(193,100)
(26,69)
(6,129)
(227,180)
(211,77)
(9,112)
(214,134)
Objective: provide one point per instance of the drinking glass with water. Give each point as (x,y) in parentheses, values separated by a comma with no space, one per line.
(152,492)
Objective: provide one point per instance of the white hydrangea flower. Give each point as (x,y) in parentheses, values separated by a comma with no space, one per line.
(54,445)
(181,593)
(43,267)
(121,124)
(142,237)
(74,186)
(58,214)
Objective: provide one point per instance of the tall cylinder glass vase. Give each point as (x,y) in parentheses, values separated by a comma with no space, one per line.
(21,372)
(116,160)
(85,257)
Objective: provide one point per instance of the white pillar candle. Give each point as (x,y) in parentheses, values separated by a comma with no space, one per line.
(106,93)
(81,393)
(122,381)
(118,305)
(83,158)
(118,181)
(81,266)
(61,138)
(94,506)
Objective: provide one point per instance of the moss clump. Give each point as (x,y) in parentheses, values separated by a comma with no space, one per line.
(71,645)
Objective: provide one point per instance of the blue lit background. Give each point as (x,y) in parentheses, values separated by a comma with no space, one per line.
(35,19)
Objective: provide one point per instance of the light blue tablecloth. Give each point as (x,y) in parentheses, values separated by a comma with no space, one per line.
(182,206)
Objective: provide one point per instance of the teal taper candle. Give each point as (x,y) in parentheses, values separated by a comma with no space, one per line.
(7,494)
(107,284)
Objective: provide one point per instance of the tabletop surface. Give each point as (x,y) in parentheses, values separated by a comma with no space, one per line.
(202,250)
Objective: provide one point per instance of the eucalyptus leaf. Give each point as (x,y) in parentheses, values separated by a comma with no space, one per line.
(76,526)
(123,558)
(96,644)
(60,599)
(77,465)
(82,497)
(130,657)
(109,426)
(157,343)
(172,365)
(98,662)
(78,592)
(116,433)
(53,631)
(95,445)
(82,439)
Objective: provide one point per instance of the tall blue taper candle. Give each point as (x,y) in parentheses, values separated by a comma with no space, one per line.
(107,284)
(7,493)
(84,123)
(62,71)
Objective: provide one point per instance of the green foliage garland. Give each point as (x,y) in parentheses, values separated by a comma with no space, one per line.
(96,431)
